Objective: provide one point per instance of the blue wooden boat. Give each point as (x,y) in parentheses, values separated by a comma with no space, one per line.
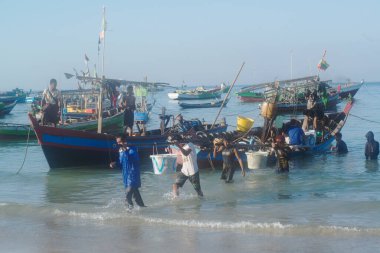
(7,108)
(72,148)
(206,159)
(212,104)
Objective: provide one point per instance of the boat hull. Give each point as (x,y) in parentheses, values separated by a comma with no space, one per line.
(71,148)
(347,91)
(7,108)
(247,99)
(188,96)
(288,107)
(202,105)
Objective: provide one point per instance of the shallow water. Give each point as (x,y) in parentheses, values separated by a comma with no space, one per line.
(327,203)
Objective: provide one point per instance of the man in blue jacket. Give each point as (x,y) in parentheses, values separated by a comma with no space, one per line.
(130,165)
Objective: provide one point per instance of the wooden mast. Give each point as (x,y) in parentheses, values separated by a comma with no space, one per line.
(100,101)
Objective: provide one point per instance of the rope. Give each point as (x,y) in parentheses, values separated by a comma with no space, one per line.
(368,120)
(26,152)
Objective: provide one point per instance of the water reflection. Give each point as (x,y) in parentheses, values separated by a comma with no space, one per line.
(82,185)
(371,165)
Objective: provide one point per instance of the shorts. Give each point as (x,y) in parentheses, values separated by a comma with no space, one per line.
(194,180)
(129,116)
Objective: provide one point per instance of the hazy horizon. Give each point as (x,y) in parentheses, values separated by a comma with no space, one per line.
(196,42)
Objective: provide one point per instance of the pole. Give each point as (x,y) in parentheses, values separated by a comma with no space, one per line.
(100,102)
(291,64)
(104,36)
(228,93)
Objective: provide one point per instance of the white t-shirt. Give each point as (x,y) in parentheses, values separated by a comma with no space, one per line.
(190,166)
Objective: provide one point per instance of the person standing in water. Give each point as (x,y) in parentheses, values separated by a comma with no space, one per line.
(130,165)
(189,168)
(229,153)
(281,150)
(128,103)
(371,147)
(340,147)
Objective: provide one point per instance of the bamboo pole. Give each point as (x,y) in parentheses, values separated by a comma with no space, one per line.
(228,93)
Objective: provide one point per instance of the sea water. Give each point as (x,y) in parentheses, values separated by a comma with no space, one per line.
(327,202)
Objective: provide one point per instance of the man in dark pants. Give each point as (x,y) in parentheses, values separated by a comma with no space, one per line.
(128,103)
(189,168)
(130,166)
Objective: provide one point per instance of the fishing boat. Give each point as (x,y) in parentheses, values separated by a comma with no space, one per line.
(111,124)
(349,89)
(72,148)
(212,104)
(17,93)
(8,99)
(197,93)
(6,108)
(290,107)
(313,144)
(250,96)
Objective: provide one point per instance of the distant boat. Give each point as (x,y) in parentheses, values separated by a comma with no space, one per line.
(7,108)
(217,103)
(349,89)
(198,93)
(251,96)
(111,124)
(17,93)
(8,99)
(29,99)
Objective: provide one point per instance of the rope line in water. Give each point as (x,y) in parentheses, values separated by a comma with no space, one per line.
(368,120)
(26,152)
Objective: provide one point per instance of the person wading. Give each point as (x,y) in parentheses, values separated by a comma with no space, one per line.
(130,165)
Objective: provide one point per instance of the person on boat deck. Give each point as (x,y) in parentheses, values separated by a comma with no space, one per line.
(129,163)
(340,147)
(189,168)
(128,103)
(281,151)
(295,133)
(51,103)
(371,147)
(229,153)
(182,125)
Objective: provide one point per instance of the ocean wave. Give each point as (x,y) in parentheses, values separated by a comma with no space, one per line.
(99,216)
(273,227)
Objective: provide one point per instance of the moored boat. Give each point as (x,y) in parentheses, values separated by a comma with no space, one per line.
(314,142)
(349,89)
(212,104)
(251,96)
(111,124)
(198,93)
(73,148)
(6,108)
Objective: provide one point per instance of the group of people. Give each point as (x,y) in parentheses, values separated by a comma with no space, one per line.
(130,164)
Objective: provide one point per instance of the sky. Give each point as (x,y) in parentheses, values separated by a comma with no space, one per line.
(196,42)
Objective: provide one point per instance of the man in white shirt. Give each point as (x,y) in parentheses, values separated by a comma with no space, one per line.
(189,168)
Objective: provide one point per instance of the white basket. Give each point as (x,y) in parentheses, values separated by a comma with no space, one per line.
(256,159)
(164,163)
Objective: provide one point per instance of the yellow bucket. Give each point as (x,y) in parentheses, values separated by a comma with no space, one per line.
(244,124)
